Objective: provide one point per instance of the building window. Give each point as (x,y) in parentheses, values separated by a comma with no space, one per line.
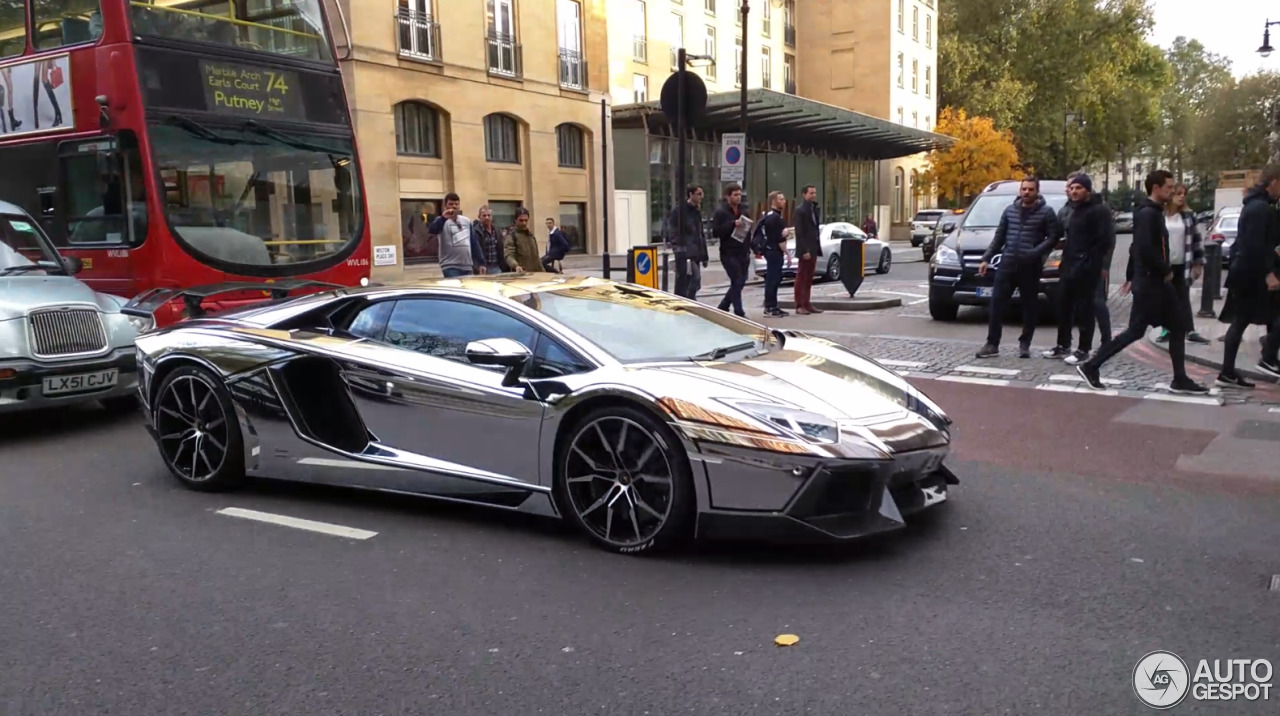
(573,222)
(573,64)
(419,34)
(571,146)
(900,116)
(915,23)
(640,88)
(789,73)
(900,70)
(503,51)
(928,82)
(789,23)
(737,62)
(639,41)
(501,139)
(766,68)
(928,30)
(915,76)
(902,11)
(928,123)
(899,195)
(417,130)
(677,36)
(416,216)
(709,6)
(766,19)
(504,213)
(709,49)
(915,119)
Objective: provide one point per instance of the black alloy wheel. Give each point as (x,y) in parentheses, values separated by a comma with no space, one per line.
(886,261)
(833,268)
(197,430)
(625,480)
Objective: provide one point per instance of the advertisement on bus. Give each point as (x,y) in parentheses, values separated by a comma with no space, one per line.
(36,96)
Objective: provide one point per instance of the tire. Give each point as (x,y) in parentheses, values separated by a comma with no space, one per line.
(646,517)
(195,421)
(886,261)
(942,308)
(833,268)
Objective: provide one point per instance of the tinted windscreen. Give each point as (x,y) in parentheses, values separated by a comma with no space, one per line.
(258,196)
(294,29)
(985,211)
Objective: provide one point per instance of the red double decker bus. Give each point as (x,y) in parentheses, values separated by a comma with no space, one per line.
(175,143)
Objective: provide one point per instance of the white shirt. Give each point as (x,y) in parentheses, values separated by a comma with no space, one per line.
(1177,238)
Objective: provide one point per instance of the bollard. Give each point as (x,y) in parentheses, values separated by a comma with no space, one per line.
(666,267)
(605,270)
(1211,281)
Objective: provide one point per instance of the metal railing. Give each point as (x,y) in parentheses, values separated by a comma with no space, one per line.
(419,35)
(789,35)
(640,48)
(573,69)
(504,55)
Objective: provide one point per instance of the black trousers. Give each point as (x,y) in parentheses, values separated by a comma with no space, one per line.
(1182,285)
(1025,278)
(736,265)
(1235,334)
(1077,304)
(1101,311)
(1140,319)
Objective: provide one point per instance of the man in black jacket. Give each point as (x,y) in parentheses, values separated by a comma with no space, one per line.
(732,227)
(806,221)
(1253,283)
(1027,233)
(1155,301)
(771,227)
(684,236)
(1088,228)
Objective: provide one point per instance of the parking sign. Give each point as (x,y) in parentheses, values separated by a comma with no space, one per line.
(733,157)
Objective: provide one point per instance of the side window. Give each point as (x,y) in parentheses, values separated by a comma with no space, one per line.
(60,23)
(372,321)
(13,30)
(443,328)
(104,193)
(552,360)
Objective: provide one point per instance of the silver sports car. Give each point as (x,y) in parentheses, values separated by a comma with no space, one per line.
(640,417)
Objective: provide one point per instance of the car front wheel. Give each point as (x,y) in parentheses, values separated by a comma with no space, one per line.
(942,307)
(196,428)
(886,262)
(833,268)
(623,478)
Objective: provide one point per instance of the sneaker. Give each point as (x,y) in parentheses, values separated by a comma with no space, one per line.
(1056,352)
(988,351)
(1271,368)
(1233,380)
(1024,350)
(1091,376)
(1186,386)
(1077,357)
(1195,337)
(1163,337)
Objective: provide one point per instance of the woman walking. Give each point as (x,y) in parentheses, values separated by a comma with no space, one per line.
(1186,256)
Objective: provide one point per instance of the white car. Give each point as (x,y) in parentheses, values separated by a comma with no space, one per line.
(923,223)
(878,257)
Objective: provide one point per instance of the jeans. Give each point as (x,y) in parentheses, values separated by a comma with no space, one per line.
(804,281)
(454,272)
(736,266)
(772,278)
(694,283)
(1026,278)
(1101,311)
(1077,301)
(491,269)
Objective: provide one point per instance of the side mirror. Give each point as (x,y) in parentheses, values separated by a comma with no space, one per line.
(948,229)
(72,264)
(503,352)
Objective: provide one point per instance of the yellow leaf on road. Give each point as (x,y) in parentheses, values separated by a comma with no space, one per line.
(786,640)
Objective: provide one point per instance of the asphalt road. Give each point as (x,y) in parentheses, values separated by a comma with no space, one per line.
(1074,545)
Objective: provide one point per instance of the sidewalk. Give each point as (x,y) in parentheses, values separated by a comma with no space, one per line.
(1210,355)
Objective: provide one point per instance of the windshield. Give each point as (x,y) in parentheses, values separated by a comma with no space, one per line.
(22,245)
(1228,223)
(294,28)
(257,196)
(636,325)
(985,211)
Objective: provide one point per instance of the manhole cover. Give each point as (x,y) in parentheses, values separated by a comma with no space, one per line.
(1258,430)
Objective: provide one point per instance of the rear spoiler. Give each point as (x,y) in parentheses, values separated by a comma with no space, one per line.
(147,303)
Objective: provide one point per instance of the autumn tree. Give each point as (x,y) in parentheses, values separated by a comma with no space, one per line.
(980,155)
(1233,131)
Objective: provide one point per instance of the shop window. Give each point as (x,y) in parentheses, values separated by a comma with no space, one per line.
(416,216)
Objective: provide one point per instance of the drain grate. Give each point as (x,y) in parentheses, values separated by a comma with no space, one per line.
(1275,583)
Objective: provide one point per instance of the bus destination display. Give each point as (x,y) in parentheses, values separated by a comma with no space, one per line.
(240,89)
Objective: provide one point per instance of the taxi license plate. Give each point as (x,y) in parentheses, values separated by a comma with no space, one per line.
(60,384)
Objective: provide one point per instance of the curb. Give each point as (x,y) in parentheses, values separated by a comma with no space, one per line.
(847,304)
(1250,373)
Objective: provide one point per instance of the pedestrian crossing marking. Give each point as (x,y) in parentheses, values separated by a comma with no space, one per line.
(902,363)
(1063,378)
(986,370)
(1059,388)
(973,381)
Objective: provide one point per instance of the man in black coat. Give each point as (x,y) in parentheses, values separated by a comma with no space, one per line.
(684,236)
(1155,301)
(1253,283)
(1088,228)
(1027,232)
(806,221)
(732,227)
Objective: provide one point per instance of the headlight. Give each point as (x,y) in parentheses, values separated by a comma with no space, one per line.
(141,324)
(946,256)
(812,427)
(1055,258)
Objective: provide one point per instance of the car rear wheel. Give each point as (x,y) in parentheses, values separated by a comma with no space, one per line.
(886,261)
(623,478)
(197,430)
(833,268)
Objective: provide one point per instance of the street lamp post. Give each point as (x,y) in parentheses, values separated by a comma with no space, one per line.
(1266,48)
(1067,118)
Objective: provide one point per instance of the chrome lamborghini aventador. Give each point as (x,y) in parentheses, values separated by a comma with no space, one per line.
(640,417)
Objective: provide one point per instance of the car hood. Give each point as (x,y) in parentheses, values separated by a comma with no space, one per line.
(970,239)
(20,294)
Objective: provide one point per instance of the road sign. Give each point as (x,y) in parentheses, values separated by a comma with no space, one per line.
(695,97)
(733,157)
(644,263)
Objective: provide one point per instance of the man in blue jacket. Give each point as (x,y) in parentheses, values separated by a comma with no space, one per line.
(1028,230)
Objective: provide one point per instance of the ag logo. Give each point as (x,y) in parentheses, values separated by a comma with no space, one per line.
(1161,679)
